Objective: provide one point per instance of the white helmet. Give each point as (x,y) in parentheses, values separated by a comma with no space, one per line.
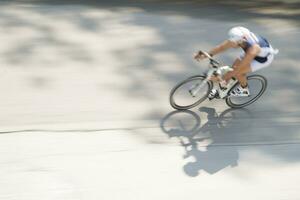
(238,33)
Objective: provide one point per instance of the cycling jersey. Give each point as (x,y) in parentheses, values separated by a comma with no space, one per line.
(266,54)
(265,46)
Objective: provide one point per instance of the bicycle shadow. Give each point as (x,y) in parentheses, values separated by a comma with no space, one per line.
(207,145)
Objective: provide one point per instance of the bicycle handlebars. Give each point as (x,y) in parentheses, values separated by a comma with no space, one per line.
(213,62)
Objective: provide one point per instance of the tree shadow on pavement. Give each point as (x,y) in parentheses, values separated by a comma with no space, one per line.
(148,47)
(251,9)
(172,38)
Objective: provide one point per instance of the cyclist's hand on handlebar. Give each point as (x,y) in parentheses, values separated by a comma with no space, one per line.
(199,56)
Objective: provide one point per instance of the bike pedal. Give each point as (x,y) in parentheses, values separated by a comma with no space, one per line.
(211,96)
(215,97)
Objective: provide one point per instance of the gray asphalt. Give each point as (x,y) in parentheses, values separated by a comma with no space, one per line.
(85,113)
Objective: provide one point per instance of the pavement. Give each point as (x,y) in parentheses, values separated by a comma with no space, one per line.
(85,114)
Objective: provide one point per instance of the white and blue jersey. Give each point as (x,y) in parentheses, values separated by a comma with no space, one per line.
(265,46)
(266,54)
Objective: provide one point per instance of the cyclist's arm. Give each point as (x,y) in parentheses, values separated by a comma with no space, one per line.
(251,53)
(227,44)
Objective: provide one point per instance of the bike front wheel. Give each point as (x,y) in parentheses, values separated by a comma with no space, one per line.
(257,86)
(190,92)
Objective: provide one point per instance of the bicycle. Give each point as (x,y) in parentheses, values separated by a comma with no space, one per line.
(194,90)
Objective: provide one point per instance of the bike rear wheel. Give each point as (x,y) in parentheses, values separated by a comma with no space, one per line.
(181,97)
(257,86)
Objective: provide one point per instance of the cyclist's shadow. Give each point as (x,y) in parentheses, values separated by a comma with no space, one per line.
(208,145)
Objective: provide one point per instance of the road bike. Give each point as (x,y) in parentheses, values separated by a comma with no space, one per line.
(195,90)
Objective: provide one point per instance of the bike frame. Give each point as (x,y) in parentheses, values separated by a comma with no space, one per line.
(215,71)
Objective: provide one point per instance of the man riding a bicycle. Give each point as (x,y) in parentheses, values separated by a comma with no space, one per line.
(258,54)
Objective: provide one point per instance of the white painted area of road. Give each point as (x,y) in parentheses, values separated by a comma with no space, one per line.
(85,114)
(117,165)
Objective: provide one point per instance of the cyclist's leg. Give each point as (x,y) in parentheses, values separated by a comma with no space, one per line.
(242,78)
(232,74)
(215,79)
(239,73)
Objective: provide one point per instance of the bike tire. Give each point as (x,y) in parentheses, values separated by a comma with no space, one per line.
(263,82)
(199,78)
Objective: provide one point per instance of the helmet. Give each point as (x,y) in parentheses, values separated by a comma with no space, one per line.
(238,33)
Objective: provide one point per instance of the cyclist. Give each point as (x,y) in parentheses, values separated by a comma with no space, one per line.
(257,54)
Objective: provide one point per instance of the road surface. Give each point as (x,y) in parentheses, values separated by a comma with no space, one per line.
(85,113)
